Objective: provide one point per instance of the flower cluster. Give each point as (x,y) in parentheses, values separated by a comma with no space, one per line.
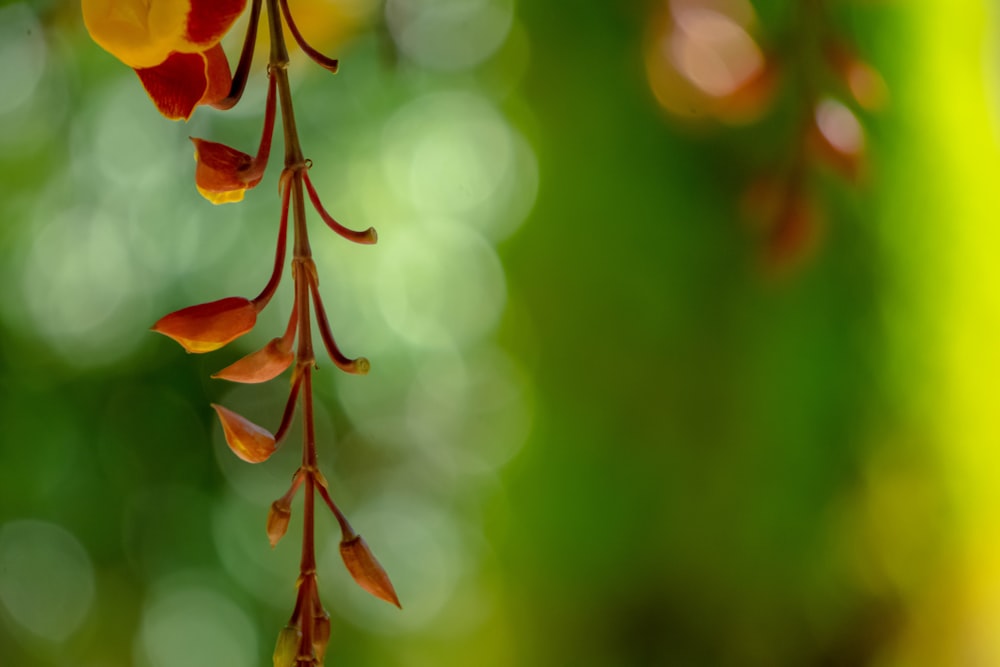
(173,46)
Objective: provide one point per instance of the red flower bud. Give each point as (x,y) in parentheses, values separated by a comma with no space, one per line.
(209,326)
(248,441)
(223,174)
(265,364)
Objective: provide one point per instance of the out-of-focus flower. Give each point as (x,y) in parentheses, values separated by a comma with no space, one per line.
(173,45)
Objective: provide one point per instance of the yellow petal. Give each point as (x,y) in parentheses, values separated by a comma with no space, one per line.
(140,33)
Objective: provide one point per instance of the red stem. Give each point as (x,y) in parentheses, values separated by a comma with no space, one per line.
(359,366)
(367,237)
(262,299)
(321,60)
(246,59)
(286,416)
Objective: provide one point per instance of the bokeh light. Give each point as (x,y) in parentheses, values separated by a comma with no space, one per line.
(449,34)
(46,579)
(194,626)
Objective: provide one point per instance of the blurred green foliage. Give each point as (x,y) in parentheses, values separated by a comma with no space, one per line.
(596,433)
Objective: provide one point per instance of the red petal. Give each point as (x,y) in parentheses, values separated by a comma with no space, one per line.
(366,570)
(248,441)
(209,326)
(177,85)
(209,20)
(218,74)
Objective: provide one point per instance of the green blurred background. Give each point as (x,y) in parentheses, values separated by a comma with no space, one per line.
(607,424)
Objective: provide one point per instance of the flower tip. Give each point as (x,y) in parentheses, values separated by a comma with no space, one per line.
(361,366)
(371,236)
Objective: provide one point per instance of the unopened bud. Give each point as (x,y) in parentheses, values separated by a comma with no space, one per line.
(321,635)
(265,364)
(248,441)
(366,570)
(209,326)
(286,649)
(277,520)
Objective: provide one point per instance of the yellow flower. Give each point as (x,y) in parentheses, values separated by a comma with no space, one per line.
(173,45)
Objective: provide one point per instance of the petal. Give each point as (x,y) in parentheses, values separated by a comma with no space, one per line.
(209,20)
(209,326)
(140,33)
(217,74)
(248,441)
(177,85)
(223,173)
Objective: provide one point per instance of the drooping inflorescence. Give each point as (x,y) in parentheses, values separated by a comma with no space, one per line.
(173,45)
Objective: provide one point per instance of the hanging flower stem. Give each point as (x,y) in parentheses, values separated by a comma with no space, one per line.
(303,273)
(178,81)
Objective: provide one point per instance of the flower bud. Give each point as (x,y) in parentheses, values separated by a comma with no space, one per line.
(223,173)
(265,364)
(277,520)
(366,570)
(321,635)
(286,649)
(209,326)
(248,441)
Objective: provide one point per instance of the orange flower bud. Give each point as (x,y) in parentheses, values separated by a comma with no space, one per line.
(366,570)
(248,441)
(286,649)
(277,520)
(209,326)
(265,364)
(223,174)
(321,635)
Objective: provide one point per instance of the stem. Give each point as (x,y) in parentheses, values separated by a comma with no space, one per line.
(246,59)
(303,272)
